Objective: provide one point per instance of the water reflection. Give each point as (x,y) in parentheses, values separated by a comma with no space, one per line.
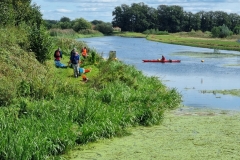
(189,77)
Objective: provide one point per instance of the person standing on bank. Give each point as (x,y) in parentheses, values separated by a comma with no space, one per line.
(75,61)
(84,52)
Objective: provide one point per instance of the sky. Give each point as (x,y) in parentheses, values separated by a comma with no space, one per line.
(102,9)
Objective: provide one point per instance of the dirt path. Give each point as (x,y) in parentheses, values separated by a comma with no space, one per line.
(184,135)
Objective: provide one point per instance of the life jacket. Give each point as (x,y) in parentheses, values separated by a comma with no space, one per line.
(84,52)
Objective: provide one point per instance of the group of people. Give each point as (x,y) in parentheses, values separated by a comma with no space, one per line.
(74,62)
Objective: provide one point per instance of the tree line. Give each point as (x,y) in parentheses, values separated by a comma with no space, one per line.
(79,25)
(139,17)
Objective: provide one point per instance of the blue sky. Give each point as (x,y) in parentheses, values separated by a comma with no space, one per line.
(102,9)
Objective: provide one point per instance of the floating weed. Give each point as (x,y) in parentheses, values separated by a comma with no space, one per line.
(233,92)
(206,54)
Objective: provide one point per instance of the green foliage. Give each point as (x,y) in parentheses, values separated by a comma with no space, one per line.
(95,22)
(225,32)
(15,12)
(65,19)
(139,17)
(215,32)
(40,43)
(221,31)
(7,15)
(81,24)
(155,31)
(37,133)
(62,33)
(51,24)
(236,30)
(88,31)
(105,28)
(65,25)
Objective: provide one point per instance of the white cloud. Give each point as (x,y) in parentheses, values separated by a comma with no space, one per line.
(63,10)
(102,9)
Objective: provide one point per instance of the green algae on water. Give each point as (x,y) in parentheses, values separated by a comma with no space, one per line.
(184,134)
(214,54)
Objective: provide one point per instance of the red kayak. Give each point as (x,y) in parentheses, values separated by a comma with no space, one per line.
(162,61)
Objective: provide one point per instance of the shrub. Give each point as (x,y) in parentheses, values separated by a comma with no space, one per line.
(155,31)
(105,28)
(221,31)
(40,43)
(236,30)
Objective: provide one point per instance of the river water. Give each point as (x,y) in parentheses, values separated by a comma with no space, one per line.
(189,77)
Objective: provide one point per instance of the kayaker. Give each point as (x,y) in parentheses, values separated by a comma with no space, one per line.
(163,58)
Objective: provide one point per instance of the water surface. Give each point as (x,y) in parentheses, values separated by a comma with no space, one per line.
(189,77)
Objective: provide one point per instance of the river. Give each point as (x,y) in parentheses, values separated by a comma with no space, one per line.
(189,77)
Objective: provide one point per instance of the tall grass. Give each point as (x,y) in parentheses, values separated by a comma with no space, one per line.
(117,98)
(70,33)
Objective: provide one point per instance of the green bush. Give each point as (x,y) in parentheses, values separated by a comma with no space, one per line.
(155,31)
(105,28)
(236,30)
(40,43)
(221,31)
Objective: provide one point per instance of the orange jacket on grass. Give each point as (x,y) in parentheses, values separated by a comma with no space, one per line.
(84,77)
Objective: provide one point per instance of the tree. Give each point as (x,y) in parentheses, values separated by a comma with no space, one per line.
(105,28)
(236,30)
(152,18)
(65,25)
(65,19)
(14,12)
(50,23)
(40,43)
(196,21)
(80,24)
(221,18)
(235,20)
(170,18)
(95,22)
(139,19)
(221,31)
(224,31)
(122,17)
(215,32)
(187,21)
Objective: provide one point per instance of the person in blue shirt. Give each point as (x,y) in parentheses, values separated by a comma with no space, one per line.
(75,62)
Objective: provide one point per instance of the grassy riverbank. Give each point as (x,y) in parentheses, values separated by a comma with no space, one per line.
(196,39)
(45,111)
